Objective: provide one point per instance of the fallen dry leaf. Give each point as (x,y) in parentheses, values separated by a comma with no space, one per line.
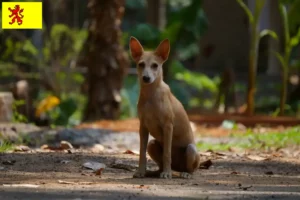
(94,165)
(97,148)
(21,148)
(44,146)
(132,152)
(52,148)
(143,187)
(205,165)
(256,158)
(64,145)
(21,185)
(74,183)
(99,172)
(205,153)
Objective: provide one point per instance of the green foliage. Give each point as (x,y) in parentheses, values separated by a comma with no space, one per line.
(266,32)
(290,43)
(147,34)
(184,28)
(63,44)
(186,24)
(246,10)
(129,94)
(18,117)
(253,51)
(293,14)
(257,141)
(23,52)
(62,113)
(68,112)
(193,79)
(199,82)
(5,146)
(191,21)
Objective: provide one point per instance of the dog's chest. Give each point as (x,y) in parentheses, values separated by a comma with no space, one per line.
(151,115)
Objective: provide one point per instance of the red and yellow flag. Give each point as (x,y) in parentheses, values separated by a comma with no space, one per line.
(22,15)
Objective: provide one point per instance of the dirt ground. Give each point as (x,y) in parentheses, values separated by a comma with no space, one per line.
(42,174)
(60,176)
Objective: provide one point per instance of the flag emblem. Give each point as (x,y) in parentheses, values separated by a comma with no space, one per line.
(22,15)
(16,14)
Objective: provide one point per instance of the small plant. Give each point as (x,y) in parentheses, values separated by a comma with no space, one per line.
(284,59)
(63,111)
(5,146)
(253,53)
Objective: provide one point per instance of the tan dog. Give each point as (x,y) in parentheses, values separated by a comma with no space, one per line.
(161,114)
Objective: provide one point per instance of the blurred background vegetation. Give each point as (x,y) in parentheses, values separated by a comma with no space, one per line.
(226,56)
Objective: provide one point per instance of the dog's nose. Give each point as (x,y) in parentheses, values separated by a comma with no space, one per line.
(146,79)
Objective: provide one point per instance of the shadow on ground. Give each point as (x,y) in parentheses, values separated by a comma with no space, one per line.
(278,178)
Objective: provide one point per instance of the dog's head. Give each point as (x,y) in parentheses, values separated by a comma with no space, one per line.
(149,63)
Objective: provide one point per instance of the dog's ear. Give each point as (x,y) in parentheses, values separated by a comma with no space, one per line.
(136,49)
(163,50)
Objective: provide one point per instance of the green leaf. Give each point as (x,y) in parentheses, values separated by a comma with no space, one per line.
(79,78)
(266,32)
(283,12)
(171,32)
(147,34)
(247,10)
(191,23)
(29,47)
(188,51)
(65,110)
(295,40)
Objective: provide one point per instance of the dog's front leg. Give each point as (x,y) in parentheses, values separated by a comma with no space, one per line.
(144,136)
(167,148)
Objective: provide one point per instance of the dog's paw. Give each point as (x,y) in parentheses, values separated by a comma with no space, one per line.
(185,175)
(139,174)
(166,174)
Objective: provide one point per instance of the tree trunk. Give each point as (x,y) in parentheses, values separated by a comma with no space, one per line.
(156,13)
(105,58)
(156,16)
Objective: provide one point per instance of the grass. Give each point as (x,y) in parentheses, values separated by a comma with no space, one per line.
(5,146)
(258,141)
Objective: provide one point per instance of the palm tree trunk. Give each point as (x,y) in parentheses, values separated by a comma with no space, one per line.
(105,58)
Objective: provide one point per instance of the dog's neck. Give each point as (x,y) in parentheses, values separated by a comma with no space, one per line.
(148,90)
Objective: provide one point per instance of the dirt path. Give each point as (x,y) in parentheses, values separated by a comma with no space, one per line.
(60,176)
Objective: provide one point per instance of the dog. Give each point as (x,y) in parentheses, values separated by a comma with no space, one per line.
(162,115)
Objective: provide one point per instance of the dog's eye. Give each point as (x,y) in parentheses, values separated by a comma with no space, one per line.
(154,65)
(141,64)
